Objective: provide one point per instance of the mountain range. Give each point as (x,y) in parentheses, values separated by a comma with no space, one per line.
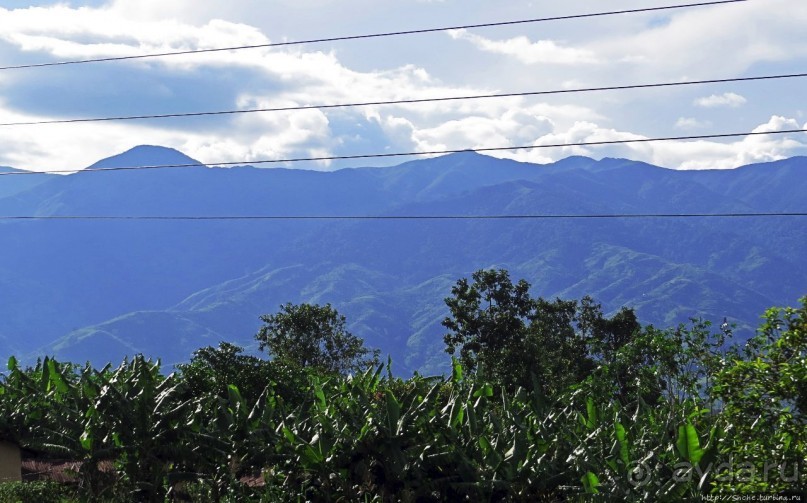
(99,289)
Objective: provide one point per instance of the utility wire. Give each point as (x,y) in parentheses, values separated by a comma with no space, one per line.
(368,36)
(409,101)
(404,154)
(407,217)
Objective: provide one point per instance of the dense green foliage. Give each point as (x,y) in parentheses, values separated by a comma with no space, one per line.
(36,492)
(313,336)
(520,341)
(655,415)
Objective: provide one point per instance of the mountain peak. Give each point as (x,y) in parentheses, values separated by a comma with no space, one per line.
(146,155)
(466,154)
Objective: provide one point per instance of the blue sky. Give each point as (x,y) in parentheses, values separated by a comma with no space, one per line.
(744,39)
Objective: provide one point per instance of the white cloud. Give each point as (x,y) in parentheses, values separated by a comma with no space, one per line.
(728,39)
(304,78)
(691,123)
(731,100)
(685,48)
(777,123)
(513,128)
(269,136)
(66,32)
(585,132)
(526,51)
(67,147)
(713,154)
(701,154)
(250,137)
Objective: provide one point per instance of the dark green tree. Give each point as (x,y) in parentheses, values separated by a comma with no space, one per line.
(495,324)
(213,369)
(488,322)
(557,349)
(763,390)
(619,347)
(313,336)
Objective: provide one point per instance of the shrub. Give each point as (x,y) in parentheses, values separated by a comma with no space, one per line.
(36,492)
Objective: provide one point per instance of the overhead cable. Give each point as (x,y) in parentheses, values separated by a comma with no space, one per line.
(369,36)
(409,154)
(408,101)
(403,217)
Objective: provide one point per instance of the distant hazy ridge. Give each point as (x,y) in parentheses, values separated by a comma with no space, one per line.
(98,290)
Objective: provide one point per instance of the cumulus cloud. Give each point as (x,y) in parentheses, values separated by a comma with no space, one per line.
(731,100)
(256,137)
(284,78)
(316,75)
(269,136)
(296,77)
(688,123)
(777,123)
(693,41)
(66,146)
(700,154)
(67,32)
(526,51)
(714,154)
(510,129)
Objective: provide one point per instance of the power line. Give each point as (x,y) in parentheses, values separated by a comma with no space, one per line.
(404,217)
(409,154)
(368,36)
(409,101)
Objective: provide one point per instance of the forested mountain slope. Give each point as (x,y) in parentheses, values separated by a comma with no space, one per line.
(101,289)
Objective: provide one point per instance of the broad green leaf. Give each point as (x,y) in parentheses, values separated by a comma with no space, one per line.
(456,372)
(457,413)
(590,483)
(44,377)
(486,390)
(364,430)
(320,396)
(86,441)
(590,421)
(787,439)
(393,412)
(473,423)
(622,438)
(688,443)
(234,395)
(311,455)
(484,444)
(56,378)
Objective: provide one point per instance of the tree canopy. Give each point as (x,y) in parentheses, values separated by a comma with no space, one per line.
(727,421)
(497,326)
(310,335)
(213,369)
